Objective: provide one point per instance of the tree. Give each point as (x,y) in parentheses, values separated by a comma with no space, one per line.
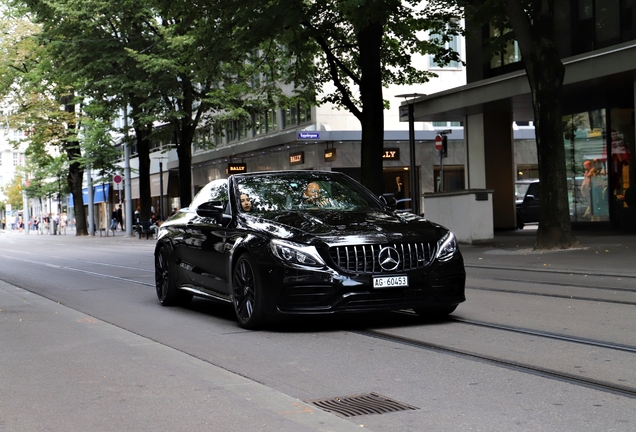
(43,99)
(533,26)
(13,191)
(358,47)
(169,61)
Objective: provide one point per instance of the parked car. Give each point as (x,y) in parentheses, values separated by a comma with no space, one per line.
(528,199)
(258,241)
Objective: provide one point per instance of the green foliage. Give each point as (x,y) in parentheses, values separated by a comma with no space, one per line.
(324,44)
(208,63)
(13,191)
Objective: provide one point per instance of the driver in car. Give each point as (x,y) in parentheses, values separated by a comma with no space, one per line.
(312,195)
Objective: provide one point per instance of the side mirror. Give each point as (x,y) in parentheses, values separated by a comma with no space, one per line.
(210,209)
(528,198)
(389,200)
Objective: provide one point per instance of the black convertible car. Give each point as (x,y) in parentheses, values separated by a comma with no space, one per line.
(285,243)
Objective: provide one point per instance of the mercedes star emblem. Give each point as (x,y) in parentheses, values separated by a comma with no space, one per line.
(389,258)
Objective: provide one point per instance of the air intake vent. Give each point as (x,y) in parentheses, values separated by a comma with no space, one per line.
(361,404)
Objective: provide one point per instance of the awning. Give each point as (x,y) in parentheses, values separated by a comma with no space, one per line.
(100,194)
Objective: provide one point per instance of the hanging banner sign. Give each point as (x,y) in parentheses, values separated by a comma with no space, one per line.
(330,155)
(391,154)
(235,168)
(297,158)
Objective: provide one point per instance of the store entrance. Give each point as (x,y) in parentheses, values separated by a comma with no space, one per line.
(398,182)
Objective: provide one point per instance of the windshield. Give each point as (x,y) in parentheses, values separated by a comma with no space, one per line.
(520,190)
(302,190)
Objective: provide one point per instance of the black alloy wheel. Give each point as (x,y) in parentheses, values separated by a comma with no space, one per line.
(167,291)
(247,294)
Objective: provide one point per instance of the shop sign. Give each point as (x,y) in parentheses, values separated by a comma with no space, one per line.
(391,154)
(297,158)
(236,168)
(330,155)
(308,135)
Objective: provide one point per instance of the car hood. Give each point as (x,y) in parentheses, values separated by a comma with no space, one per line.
(339,228)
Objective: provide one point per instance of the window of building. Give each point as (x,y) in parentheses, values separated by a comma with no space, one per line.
(508,55)
(453,44)
(587,165)
(238,129)
(447,124)
(16,159)
(233,131)
(264,122)
(296,115)
(271,121)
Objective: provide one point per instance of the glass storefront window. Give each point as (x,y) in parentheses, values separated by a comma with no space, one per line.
(588,187)
(621,162)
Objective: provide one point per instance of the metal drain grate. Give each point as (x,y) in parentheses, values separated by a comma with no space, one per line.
(360,404)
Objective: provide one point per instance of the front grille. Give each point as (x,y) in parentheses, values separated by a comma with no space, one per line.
(364,258)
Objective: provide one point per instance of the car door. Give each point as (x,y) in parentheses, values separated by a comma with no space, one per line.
(532,203)
(209,254)
(206,251)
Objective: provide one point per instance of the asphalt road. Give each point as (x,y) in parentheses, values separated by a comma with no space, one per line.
(542,343)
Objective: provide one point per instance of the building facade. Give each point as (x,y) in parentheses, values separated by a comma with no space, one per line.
(597,42)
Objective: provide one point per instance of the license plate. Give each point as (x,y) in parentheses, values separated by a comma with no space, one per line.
(390,281)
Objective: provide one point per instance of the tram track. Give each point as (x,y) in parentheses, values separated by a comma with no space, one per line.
(554,295)
(552,271)
(600,385)
(520,366)
(562,284)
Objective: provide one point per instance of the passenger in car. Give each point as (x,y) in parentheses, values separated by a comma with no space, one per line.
(246,202)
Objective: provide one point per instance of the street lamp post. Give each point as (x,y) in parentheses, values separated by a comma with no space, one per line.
(161,190)
(415,194)
(160,159)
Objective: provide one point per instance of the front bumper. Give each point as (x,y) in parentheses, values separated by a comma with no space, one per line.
(328,291)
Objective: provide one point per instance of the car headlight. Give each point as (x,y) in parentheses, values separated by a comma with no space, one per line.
(446,247)
(294,253)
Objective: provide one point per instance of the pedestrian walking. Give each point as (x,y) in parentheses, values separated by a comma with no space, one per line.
(120,218)
(113,221)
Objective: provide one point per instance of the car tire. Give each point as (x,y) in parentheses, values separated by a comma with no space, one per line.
(247,294)
(520,223)
(436,312)
(165,283)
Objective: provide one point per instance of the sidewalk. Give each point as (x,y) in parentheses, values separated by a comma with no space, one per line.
(601,253)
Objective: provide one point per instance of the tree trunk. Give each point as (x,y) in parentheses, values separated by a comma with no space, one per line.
(75,176)
(74,180)
(142,133)
(370,41)
(184,153)
(545,71)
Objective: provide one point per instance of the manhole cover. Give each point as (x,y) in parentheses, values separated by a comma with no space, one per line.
(360,404)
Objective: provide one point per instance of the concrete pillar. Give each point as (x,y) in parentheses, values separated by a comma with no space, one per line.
(490,161)
(475,171)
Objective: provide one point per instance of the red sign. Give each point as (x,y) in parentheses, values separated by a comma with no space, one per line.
(117,179)
(438,143)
